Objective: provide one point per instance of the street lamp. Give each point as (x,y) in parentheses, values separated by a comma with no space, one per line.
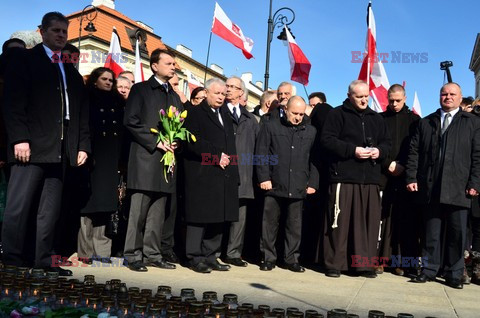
(92,15)
(277,20)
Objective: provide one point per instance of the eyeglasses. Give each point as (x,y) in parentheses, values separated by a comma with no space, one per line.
(233,86)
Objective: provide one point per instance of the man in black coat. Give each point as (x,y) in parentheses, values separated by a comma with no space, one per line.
(152,193)
(400,220)
(285,171)
(46,117)
(245,128)
(356,139)
(211,179)
(443,167)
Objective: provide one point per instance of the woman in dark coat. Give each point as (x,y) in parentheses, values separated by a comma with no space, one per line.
(106,128)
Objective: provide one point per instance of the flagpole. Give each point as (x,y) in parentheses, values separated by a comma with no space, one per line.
(208,55)
(306,93)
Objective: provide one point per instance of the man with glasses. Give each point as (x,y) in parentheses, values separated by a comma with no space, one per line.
(245,129)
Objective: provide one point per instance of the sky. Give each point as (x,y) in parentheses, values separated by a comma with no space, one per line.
(328,32)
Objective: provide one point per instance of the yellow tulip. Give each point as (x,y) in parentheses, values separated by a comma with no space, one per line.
(153,131)
(183,114)
(194,138)
(170,112)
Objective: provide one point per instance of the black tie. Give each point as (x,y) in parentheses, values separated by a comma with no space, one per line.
(446,122)
(165,86)
(235,115)
(218,116)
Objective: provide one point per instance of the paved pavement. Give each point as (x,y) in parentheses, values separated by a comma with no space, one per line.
(310,290)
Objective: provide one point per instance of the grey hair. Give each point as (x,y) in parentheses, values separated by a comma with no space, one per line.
(355,83)
(242,85)
(451,83)
(212,81)
(123,78)
(31,37)
(285,84)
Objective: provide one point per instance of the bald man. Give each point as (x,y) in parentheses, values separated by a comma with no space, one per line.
(443,167)
(285,172)
(356,140)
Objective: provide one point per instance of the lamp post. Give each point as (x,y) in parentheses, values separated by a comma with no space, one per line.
(278,19)
(92,15)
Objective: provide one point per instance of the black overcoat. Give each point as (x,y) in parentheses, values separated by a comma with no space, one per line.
(145,171)
(211,193)
(461,158)
(34,108)
(107,130)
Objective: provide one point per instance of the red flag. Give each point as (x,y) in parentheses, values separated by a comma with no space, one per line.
(138,65)
(115,59)
(230,32)
(299,64)
(372,70)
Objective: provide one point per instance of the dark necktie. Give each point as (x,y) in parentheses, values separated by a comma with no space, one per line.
(446,122)
(235,115)
(165,86)
(218,116)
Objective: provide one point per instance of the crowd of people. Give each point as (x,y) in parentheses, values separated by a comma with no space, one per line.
(347,188)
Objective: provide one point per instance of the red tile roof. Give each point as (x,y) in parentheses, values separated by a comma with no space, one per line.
(106,19)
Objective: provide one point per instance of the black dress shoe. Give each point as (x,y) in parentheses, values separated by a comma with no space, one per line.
(422,278)
(59,270)
(267,266)
(332,273)
(137,266)
(368,274)
(201,268)
(171,258)
(216,266)
(296,267)
(454,283)
(162,264)
(85,260)
(236,262)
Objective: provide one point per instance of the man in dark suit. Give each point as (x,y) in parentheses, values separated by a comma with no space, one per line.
(152,194)
(46,116)
(211,179)
(245,128)
(443,167)
(286,173)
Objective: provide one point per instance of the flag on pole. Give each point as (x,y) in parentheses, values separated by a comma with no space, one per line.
(372,70)
(299,64)
(230,32)
(416,105)
(138,65)
(114,58)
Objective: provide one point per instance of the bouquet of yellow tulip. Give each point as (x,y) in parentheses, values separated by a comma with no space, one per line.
(170,129)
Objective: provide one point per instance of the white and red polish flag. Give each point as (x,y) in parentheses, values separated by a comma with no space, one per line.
(372,70)
(230,32)
(299,64)
(416,105)
(114,59)
(138,65)
(193,81)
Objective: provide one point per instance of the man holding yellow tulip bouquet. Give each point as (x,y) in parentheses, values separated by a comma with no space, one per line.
(153,196)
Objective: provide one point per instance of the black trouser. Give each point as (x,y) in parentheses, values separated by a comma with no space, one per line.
(293,228)
(453,220)
(168,234)
(26,182)
(475,223)
(145,226)
(358,223)
(203,242)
